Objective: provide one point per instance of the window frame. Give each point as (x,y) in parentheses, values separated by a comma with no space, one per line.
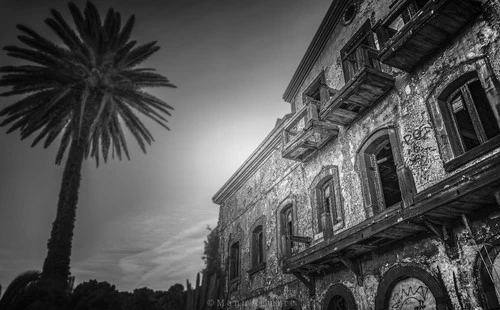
(328,176)
(234,263)
(342,291)
(318,85)
(399,273)
(449,80)
(350,48)
(286,246)
(459,154)
(258,228)
(370,178)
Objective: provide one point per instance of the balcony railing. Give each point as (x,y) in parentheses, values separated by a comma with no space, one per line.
(305,133)
(365,85)
(436,210)
(415,29)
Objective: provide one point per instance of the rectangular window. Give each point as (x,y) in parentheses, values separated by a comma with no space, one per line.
(471,116)
(287,230)
(234,268)
(318,91)
(410,9)
(359,52)
(258,246)
(387,182)
(327,201)
(388,177)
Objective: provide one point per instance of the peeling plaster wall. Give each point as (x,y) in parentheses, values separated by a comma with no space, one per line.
(279,180)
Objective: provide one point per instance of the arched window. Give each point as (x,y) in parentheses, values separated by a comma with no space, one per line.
(339,297)
(327,201)
(258,246)
(386,181)
(287,224)
(465,112)
(468,115)
(286,218)
(234,261)
(409,288)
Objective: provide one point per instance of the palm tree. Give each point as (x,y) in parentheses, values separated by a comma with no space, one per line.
(83,91)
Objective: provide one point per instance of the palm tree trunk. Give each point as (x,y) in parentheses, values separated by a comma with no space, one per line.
(57,263)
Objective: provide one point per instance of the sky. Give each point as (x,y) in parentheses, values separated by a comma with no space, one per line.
(143,222)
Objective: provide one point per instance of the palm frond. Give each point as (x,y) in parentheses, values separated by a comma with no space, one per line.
(91,83)
(18,287)
(126,31)
(66,138)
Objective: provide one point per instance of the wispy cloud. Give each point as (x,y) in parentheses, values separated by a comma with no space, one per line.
(140,263)
(175,260)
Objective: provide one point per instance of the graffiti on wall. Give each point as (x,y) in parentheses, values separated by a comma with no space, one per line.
(419,153)
(411,294)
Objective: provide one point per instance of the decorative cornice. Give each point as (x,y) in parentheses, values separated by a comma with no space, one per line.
(331,19)
(253,162)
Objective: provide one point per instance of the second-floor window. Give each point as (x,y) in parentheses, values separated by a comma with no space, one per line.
(258,246)
(234,261)
(326,201)
(406,12)
(287,224)
(386,181)
(468,116)
(359,52)
(318,91)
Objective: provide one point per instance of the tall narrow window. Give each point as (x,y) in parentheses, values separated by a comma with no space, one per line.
(469,116)
(318,91)
(386,181)
(327,203)
(287,219)
(359,52)
(407,12)
(234,267)
(258,246)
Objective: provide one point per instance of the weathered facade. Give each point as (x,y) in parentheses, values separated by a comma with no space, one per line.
(381,188)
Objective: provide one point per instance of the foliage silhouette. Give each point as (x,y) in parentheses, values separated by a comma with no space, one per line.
(28,291)
(84,92)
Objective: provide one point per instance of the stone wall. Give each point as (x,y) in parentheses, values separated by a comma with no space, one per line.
(406,108)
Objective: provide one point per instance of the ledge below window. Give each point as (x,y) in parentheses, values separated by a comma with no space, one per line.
(257,268)
(472,154)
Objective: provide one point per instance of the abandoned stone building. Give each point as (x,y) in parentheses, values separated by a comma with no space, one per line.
(381,188)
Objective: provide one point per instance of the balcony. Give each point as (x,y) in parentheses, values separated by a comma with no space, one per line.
(416,29)
(436,211)
(305,133)
(366,85)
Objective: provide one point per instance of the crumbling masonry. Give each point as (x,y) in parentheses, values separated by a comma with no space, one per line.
(381,188)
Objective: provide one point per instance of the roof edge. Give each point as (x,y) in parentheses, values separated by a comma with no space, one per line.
(252,163)
(315,48)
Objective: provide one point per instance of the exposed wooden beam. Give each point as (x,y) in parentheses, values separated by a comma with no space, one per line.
(309,283)
(478,183)
(354,266)
(441,231)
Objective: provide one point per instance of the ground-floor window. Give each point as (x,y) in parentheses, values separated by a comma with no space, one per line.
(411,294)
(410,288)
(339,297)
